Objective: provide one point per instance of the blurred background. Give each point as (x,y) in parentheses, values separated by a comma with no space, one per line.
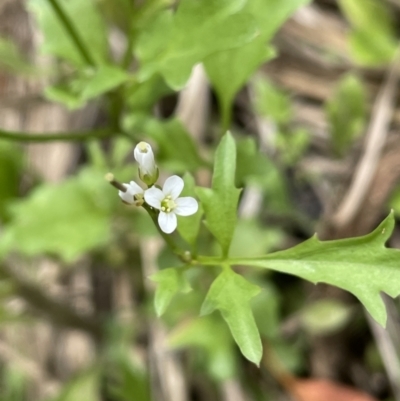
(318,151)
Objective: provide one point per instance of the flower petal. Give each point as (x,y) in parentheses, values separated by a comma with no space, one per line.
(154,196)
(173,186)
(127,196)
(135,188)
(167,222)
(145,157)
(186,206)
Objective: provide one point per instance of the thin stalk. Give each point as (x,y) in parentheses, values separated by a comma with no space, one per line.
(68,137)
(70,28)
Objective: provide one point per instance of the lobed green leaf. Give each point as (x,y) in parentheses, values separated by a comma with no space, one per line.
(220,202)
(230,293)
(361,265)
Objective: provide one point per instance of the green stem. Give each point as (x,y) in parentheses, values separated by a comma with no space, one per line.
(70,28)
(76,136)
(212,260)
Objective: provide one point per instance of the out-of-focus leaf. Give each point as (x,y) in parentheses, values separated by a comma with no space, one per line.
(129,382)
(174,43)
(10,170)
(67,219)
(251,239)
(292,145)
(361,265)
(230,293)
(347,112)
(143,95)
(12,60)
(256,168)
(177,151)
(228,73)
(210,335)
(101,80)
(170,281)
(87,21)
(325,316)
(271,14)
(272,102)
(372,40)
(189,226)
(86,387)
(88,84)
(220,201)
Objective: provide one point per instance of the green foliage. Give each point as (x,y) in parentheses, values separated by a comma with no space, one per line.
(12,60)
(10,171)
(221,201)
(177,148)
(362,265)
(347,112)
(325,317)
(67,219)
(373,40)
(87,21)
(84,388)
(174,43)
(230,293)
(212,338)
(170,281)
(226,69)
(228,73)
(272,102)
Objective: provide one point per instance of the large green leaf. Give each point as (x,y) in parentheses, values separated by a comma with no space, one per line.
(174,43)
(362,265)
(87,21)
(230,293)
(220,201)
(67,219)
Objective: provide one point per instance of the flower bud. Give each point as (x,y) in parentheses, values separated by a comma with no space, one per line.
(148,171)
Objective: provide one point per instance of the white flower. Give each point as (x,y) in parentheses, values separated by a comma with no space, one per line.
(148,170)
(133,194)
(168,203)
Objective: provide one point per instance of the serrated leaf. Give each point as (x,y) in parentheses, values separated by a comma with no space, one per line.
(189,226)
(170,281)
(87,21)
(176,42)
(230,293)
(220,202)
(67,219)
(347,112)
(361,265)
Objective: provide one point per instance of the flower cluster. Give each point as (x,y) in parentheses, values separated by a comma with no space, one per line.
(166,200)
